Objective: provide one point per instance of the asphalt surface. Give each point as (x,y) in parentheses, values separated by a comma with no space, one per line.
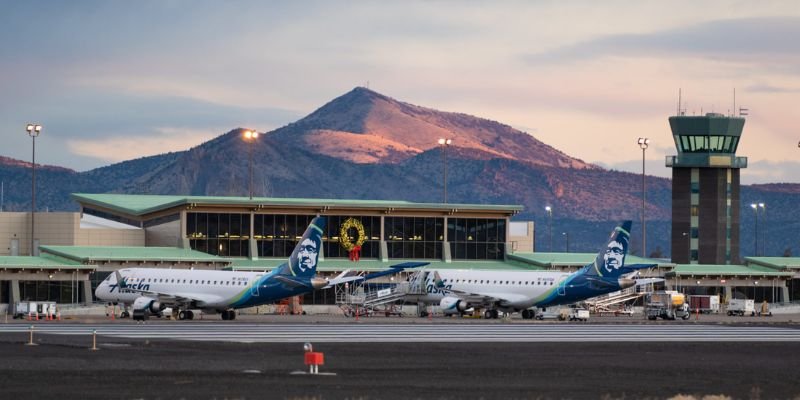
(62,367)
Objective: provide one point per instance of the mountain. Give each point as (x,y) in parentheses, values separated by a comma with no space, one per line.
(364,145)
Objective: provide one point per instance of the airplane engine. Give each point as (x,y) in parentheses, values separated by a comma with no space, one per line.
(147,304)
(454,304)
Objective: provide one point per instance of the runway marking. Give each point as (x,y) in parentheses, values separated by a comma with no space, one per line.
(417,333)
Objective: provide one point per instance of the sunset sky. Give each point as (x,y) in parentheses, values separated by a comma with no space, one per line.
(116,80)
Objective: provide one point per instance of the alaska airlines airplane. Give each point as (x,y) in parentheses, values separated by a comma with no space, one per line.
(457,291)
(151,290)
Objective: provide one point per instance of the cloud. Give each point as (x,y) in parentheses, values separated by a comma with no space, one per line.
(767,88)
(120,148)
(746,39)
(85,129)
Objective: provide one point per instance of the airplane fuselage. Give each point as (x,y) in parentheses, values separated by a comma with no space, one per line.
(518,290)
(212,289)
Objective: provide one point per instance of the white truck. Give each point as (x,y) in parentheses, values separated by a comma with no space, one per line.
(741,307)
(578,314)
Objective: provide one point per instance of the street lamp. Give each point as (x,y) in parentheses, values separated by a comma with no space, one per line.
(550,225)
(643,143)
(444,143)
(33,132)
(251,136)
(755,207)
(566,237)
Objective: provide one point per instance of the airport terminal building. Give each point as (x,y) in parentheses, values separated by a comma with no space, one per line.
(74,251)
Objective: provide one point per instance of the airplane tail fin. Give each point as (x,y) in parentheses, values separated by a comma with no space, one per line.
(611,259)
(303,261)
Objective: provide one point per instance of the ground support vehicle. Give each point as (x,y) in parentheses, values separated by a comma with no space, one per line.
(666,304)
(705,304)
(558,313)
(741,307)
(578,314)
(34,309)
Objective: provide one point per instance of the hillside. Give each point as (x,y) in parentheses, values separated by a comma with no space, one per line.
(364,145)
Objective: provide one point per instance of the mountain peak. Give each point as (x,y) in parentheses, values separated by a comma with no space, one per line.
(364,126)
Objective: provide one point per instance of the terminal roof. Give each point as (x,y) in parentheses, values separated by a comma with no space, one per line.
(143,205)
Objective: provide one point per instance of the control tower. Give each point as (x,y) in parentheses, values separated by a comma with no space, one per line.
(705,188)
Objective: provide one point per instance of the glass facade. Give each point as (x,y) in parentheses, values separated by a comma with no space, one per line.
(372,232)
(220,234)
(276,235)
(476,239)
(707,144)
(62,292)
(414,237)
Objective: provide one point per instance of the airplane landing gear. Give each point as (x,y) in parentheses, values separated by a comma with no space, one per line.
(182,315)
(229,315)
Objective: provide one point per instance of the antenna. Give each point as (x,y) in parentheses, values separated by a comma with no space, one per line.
(734,99)
(679,102)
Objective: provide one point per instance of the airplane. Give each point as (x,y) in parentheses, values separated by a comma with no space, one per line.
(458,291)
(151,290)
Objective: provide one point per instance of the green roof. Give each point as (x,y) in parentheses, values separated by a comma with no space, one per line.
(549,260)
(722,269)
(339,265)
(139,205)
(40,262)
(117,253)
(775,262)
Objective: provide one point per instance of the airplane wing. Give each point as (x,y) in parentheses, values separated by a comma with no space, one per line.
(646,281)
(393,269)
(635,267)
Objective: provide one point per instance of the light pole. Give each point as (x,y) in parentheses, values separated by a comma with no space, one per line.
(643,143)
(33,132)
(250,136)
(444,143)
(550,225)
(566,237)
(755,207)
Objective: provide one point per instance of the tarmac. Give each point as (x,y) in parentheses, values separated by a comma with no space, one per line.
(63,367)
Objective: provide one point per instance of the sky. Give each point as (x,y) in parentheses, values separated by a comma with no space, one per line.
(117,80)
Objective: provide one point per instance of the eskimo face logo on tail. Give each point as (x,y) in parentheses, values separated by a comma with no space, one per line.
(305,256)
(614,255)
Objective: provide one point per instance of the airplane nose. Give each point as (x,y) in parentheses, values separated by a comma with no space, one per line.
(625,283)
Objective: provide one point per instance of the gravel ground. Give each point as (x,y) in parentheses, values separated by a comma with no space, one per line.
(62,367)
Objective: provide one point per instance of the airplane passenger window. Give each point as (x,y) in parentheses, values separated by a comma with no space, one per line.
(215,282)
(191,281)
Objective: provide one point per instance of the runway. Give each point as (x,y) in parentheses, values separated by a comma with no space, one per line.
(417,333)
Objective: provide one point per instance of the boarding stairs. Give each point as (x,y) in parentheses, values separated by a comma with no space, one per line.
(357,299)
(613,302)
